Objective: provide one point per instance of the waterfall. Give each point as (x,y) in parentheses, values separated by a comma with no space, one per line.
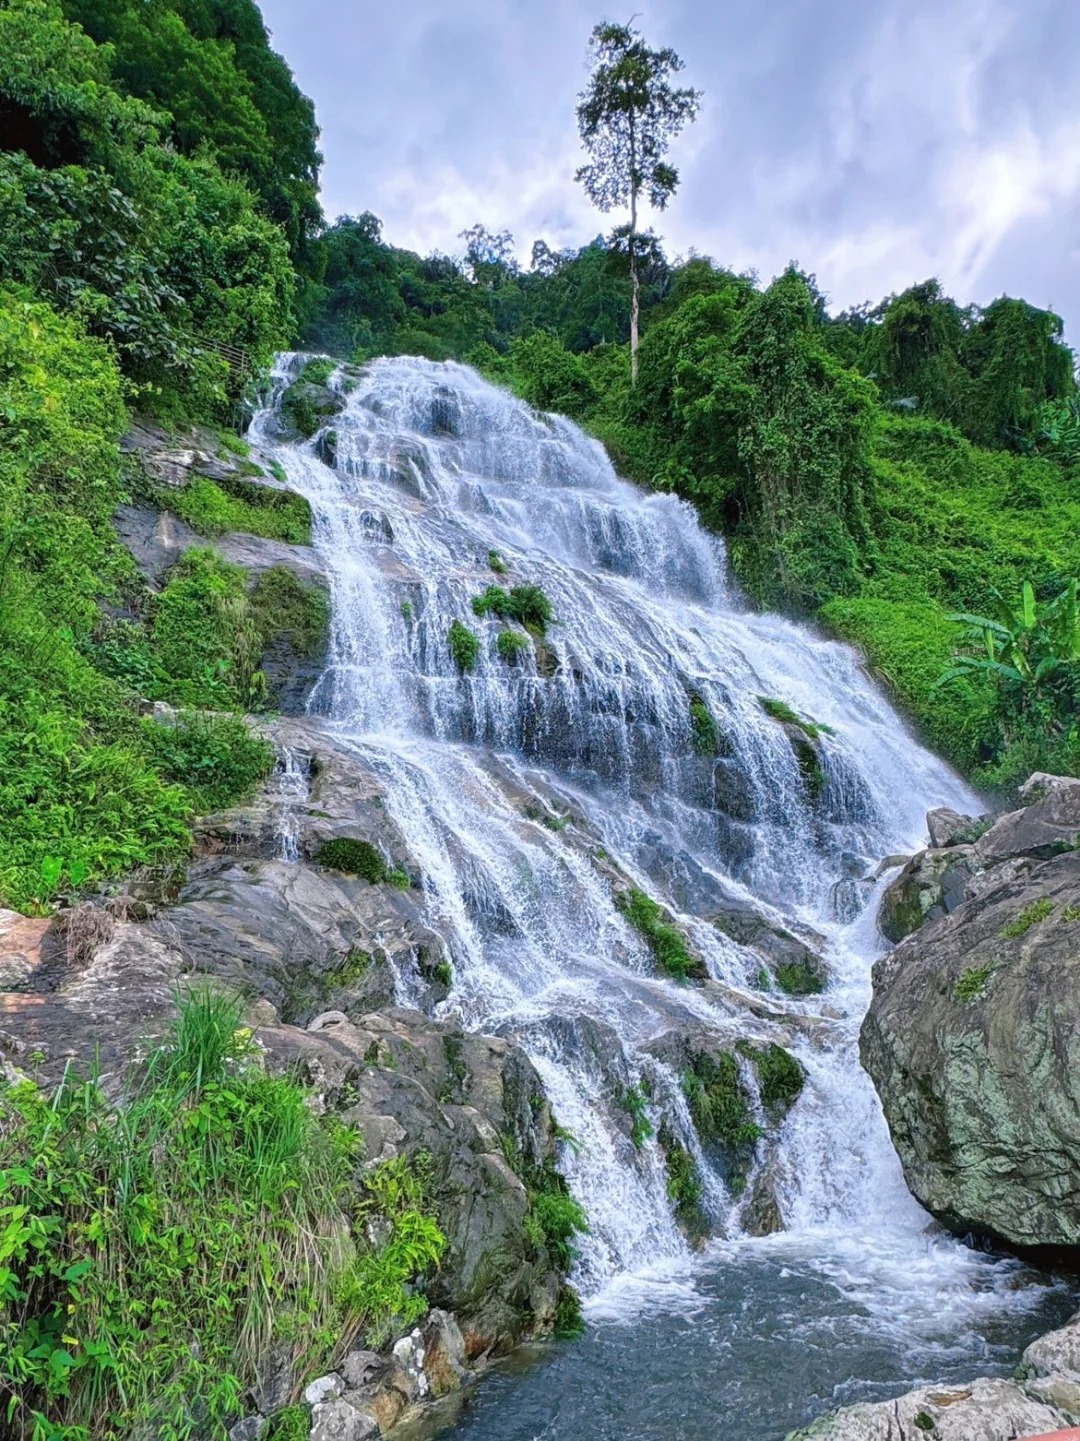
(525,783)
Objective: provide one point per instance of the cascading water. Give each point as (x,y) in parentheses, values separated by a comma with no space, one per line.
(438,484)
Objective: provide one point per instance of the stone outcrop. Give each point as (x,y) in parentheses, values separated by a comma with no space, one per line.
(973,1034)
(319,954)
(1044,1398)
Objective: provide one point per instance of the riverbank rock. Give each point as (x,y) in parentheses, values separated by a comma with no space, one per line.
(973,1034)
(1044,1398)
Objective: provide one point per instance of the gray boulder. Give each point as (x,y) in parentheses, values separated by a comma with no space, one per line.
(1044,1398)
(973,1036)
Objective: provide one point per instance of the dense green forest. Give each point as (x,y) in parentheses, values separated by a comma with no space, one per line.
(882,471)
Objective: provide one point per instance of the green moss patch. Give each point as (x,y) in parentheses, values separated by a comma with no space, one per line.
(780,1077)
(703,727)
(356,858)
(685,1188)
(779,710)
(719,1102)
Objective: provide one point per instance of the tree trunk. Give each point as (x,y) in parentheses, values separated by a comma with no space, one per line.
(635,289)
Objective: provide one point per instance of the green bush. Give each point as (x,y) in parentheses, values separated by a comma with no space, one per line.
(780,1076)
(703,727)
(204,636)
(158,1244)
(554,1218)
(527,604)
(511,644)
(464,646)
(216,757)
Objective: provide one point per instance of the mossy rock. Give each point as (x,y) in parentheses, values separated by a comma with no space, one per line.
(308,403)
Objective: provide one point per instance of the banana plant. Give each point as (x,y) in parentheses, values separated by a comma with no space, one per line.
(1032,646)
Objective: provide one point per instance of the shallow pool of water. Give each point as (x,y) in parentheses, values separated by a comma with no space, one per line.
(761,1338)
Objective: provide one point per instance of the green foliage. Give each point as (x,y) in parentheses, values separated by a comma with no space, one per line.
(924,1421)
(779,710)
(511,644)
(1030,916)
(291,1423)
(799,978)
(204,635)
(496,562)
(284,606)
(972,983)
(156,1246)
(308,403)
(634,1100)
(685,1187)
(550,377)
(214,507)
(703,727)
(1030,651)
(569,1322)
(1071,914)
(215,757)
(356,858)
(663,938)
(464,646)
(719,1102)
(780,1076)
(527,604)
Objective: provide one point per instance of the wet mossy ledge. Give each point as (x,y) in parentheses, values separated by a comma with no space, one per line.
(361,858)
(666,942)
(215,507)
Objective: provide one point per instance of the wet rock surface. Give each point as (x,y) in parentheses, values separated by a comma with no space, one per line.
(1044,1398)
(973,1035)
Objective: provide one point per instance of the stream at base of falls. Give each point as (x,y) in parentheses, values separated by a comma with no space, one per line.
(532,787)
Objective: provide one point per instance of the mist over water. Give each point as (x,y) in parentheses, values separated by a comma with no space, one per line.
(433,471)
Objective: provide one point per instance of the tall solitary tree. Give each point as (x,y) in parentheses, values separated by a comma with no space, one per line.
(628,115)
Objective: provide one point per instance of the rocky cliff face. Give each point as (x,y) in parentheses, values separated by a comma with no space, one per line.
(973,1035)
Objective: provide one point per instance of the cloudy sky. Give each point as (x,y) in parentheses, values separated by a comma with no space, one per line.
(876,142)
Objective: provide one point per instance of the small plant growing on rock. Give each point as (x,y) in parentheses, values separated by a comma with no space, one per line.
(464,646)
(1071,913)
(972,983)
(511,644)
(569,1322)
(719,1102)
(496,562)
(634,1100)
(527,604)
(703,727)
(1030,916)
(779,710)
(924,1420)
(661,935)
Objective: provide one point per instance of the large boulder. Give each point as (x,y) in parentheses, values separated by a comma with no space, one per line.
(973,1036)
(1043,1398)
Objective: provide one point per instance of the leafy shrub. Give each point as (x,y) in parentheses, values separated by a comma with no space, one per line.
(569,1322)
(663,938)
(554,1218)
(464,646)
(634,1100)
(511,644)
(527,604)
(157,1245)
(217,758)
(496,563)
